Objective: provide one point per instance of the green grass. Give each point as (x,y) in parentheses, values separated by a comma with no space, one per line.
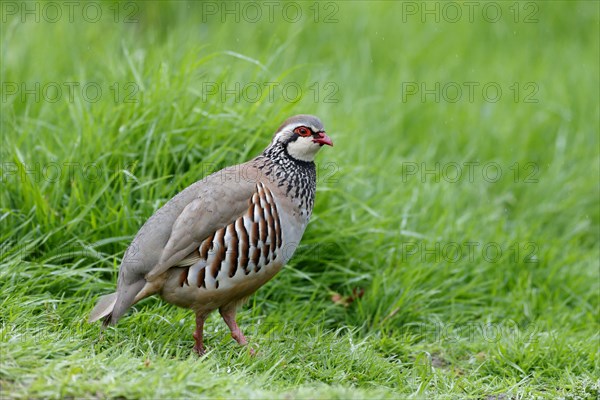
(79,178)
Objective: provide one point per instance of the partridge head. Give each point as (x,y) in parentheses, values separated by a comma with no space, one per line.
(220,239)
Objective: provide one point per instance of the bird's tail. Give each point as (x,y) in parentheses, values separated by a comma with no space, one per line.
(103,308)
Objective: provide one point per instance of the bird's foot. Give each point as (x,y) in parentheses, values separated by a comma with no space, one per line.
(199,350)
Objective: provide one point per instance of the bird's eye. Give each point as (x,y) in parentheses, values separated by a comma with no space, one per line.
(303,131)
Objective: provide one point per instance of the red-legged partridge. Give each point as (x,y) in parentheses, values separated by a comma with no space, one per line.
(219,240)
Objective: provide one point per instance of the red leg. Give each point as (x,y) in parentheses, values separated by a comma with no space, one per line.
(199,334)
(228,315)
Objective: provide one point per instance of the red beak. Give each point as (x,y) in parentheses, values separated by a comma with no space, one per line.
(323,139)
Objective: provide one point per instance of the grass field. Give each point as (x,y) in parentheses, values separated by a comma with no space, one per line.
(461,198)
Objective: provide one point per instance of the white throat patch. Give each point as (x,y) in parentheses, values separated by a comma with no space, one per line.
(303,149)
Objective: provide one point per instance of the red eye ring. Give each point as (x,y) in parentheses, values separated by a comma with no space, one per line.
(303,131)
